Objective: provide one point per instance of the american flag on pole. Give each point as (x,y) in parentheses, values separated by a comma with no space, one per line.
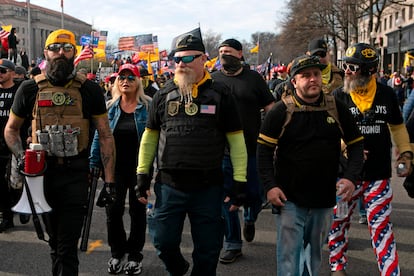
(86,53)
(3,33)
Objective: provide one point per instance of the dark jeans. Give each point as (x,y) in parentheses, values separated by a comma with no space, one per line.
(252,207)
(117,239)
(203,208)
(6,200)
(66,191)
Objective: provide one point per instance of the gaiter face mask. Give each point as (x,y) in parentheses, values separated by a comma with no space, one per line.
(230,63)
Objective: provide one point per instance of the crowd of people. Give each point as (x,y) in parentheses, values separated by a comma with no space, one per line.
(207,144)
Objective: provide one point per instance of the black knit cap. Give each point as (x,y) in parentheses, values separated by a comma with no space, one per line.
(189,42)
(233,43)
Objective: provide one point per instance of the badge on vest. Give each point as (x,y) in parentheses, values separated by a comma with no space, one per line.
(54,99)
(191,109)
(173,107)
(208,109)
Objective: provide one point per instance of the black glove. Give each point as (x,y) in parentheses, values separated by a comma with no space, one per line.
(409,185)
(238,193)
(143,184)
(107,196)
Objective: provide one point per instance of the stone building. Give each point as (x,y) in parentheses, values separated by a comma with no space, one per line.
(34,23)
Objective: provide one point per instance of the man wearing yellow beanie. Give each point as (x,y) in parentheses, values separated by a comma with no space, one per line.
(62,105)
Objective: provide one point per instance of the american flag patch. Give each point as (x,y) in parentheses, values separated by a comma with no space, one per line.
(207,109)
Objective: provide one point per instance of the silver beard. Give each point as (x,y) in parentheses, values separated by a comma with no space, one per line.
(360,81)
(185,81)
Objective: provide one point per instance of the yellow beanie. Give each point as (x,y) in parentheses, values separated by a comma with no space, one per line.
(60,36)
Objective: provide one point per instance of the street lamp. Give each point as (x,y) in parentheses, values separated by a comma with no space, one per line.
(398,23)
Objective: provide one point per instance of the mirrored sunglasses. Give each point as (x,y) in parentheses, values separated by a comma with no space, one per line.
(129,78)
(351,67)
(186,59)
(55,47)
(3,70)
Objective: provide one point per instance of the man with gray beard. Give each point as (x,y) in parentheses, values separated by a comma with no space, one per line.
(189,121)
(61,105)
(376,111)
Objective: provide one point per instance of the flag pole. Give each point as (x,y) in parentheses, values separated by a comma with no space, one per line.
(29,32)
(258,51)
(61,15)
(91,45)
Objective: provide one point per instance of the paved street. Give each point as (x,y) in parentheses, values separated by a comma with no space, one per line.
(23,254)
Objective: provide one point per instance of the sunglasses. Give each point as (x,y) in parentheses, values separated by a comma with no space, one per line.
(186,59)
(55,47)
(3,70)
(129,78)
(351,67)
(320,54)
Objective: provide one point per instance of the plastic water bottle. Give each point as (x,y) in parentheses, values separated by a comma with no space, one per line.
(341,206)
(150,210)
(401,168)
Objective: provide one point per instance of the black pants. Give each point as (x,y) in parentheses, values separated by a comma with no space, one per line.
(6,200)
(117,239)
(66,191)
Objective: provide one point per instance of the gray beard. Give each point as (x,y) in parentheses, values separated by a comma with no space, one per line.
(361,81)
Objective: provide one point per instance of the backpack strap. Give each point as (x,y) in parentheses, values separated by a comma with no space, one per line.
(332,110)
(290,108)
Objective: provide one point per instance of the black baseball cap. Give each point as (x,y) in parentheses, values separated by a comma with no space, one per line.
(317,45)
(189,42)
(233,43)
(304,62)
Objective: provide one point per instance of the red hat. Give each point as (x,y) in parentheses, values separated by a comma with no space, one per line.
(108,78)
(281,68)
(397,81)
(130,67)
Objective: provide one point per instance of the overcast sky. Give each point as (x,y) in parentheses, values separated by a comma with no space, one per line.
(169,18)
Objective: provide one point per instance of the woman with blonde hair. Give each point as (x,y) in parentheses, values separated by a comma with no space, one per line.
(127,112)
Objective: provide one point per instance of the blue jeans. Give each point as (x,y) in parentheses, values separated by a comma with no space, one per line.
(301,233)
(166,226)
(252,208)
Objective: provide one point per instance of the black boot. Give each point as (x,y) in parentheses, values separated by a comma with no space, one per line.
(6,223)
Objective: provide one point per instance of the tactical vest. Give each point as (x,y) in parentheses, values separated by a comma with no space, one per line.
(327,105)
(191,137)
(58,123)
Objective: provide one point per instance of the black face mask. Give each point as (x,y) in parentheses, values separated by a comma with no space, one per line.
(231,64)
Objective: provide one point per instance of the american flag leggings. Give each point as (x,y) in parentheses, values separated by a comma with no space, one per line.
(377,197)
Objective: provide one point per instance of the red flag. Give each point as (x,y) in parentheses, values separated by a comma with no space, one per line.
(86,53)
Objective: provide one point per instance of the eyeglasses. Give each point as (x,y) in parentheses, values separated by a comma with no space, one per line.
(351,67)
(3,70)
(186,59)
(55,47)
(320,54)
(129,78)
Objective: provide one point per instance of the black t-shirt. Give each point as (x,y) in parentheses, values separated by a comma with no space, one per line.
(307,155)
(126,142)
(6,101)
(93,102)
(251,94)
(373,125)
(186,153)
